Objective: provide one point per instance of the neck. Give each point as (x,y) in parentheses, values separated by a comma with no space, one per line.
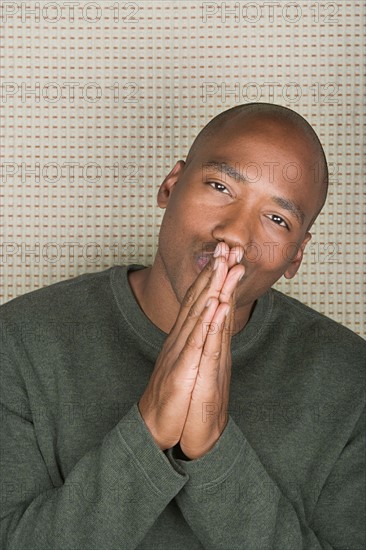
(153,297)
(157,300)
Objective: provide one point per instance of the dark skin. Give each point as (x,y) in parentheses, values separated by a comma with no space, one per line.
(187,397)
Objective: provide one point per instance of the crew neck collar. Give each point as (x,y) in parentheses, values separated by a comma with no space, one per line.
(145,329)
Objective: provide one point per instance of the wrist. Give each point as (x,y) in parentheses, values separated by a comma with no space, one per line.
(178,453)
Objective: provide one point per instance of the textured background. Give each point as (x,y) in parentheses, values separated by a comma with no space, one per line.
(100,99)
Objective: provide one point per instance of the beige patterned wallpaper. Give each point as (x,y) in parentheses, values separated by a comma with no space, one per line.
(100,99)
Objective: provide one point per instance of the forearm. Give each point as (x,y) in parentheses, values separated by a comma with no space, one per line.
(232,502)
(110,498)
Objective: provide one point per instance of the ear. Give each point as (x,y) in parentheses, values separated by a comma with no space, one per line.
(166,188)
(296,261)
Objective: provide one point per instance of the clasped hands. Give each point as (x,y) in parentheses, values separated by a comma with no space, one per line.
(186,399)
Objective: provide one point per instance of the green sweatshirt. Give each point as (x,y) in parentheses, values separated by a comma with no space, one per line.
(81,471)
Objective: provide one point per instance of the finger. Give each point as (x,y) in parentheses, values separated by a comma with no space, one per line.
(227,333)
(236,254)
(228,328)
(224,372)
(201,282)
(222,285)
(231,282)
(187,317)
(212,290)
(208,373)
(206,395)
(189,357)
(219,285)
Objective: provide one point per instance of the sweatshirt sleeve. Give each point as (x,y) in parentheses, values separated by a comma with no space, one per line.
(109,500)
(230,500)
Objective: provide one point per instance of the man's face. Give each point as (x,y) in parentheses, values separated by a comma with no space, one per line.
(267,214)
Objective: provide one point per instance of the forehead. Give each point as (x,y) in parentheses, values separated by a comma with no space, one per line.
(259,152)
(265,153)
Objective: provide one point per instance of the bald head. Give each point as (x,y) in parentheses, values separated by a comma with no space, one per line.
(263,116)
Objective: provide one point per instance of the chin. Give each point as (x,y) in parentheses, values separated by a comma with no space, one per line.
(180,287)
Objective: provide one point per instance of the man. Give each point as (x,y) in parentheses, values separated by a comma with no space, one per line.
(188,404)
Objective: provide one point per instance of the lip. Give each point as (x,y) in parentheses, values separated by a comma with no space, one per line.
(201,260)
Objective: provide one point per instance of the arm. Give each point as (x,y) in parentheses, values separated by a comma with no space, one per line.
(110,498)
(230,500)
(117,490)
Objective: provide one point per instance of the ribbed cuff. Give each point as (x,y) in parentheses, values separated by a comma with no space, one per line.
(147,456)
(218,462)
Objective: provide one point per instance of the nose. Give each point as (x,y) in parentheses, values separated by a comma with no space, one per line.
(234,229)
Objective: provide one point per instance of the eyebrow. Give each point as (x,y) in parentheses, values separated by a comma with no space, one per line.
(286,204)
(227,169)
(291,207)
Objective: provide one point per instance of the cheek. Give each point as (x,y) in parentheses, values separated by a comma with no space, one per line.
(192,219)
(267,256)
(181,209)
(260,276)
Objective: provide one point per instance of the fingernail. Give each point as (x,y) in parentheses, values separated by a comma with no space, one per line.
(209,302)
(241,276)
(216,263)
(217,250)
(227,311)
(240,255)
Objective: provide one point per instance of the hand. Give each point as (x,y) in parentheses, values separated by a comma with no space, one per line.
(207,414)
(165,402)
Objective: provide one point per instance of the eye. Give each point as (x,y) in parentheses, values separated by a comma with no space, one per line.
(219,187)
(279,221)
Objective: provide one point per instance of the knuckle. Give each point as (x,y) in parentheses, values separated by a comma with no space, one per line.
(189,297)
(193,312)
(224,294)
(211,328)
(209,267)
(213,355)
(165,356)
(192,342)
(174,381)
(212,288)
